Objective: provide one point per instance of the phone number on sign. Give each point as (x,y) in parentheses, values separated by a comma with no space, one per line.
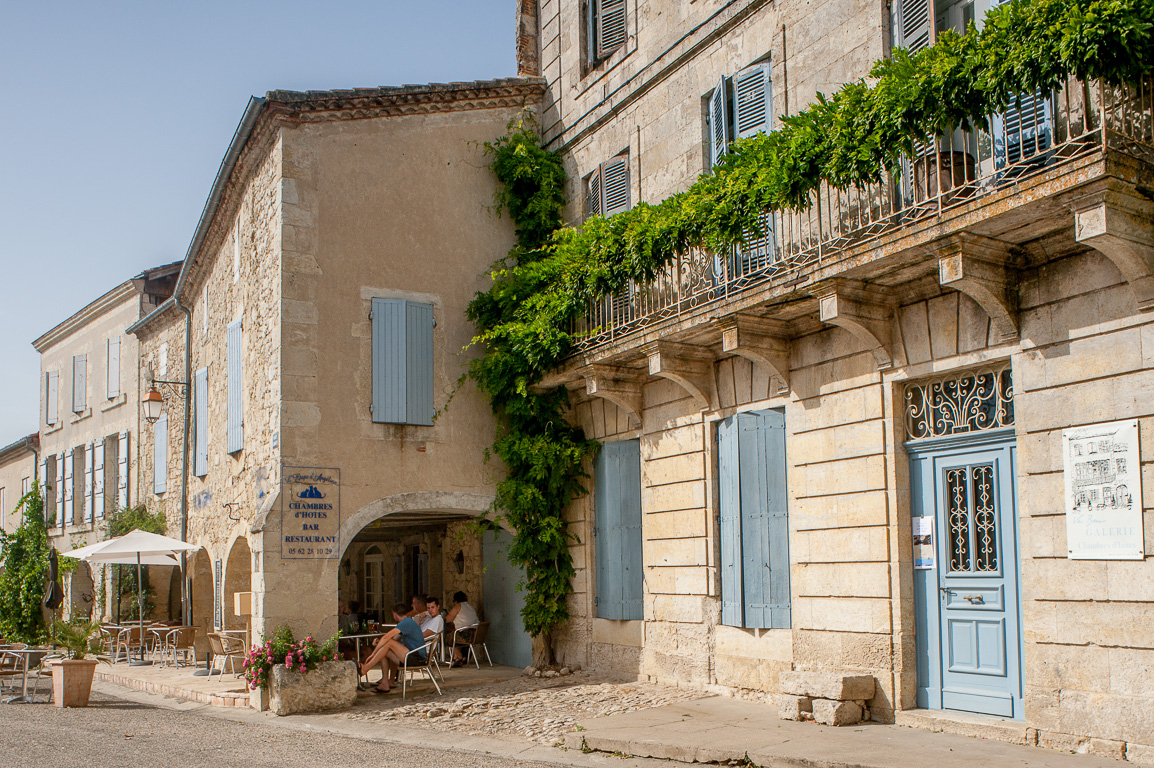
(306,551)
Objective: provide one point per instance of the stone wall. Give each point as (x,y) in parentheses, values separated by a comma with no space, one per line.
(648,97)
(391,207)
(13,469)
(1089,652)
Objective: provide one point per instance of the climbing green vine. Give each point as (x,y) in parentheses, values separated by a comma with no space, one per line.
(24,566)
(846,139)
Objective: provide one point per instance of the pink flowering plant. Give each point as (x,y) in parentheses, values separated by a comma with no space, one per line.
(282,649)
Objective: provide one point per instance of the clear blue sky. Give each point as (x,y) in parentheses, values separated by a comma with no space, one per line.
(116,115)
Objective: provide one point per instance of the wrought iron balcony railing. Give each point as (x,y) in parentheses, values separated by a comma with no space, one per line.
(1039,133)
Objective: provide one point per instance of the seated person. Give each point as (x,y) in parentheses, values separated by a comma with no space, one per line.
(434,623)
(391,648)
(347,616)
(464,619)
(418,612)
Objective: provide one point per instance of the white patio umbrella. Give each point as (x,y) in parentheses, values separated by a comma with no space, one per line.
(140,547)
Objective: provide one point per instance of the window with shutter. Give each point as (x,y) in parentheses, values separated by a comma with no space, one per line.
(754,521)
(593,193)
(51,398)
(79,383)
(402,362)
(61,487)
(607,30)
(617,531)
(913,24)
(752,101)
(88,489)
(112,368)
(69,489)
(98,479)
(615,185)
(122,470)
(718,122)
(200,422)
(235,436)
(160,455)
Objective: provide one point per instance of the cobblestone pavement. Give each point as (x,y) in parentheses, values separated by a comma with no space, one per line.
(541,710)
(112,733)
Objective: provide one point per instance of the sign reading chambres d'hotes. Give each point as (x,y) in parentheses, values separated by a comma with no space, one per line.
(310,513)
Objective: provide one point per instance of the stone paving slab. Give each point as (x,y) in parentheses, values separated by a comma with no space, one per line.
(720,729)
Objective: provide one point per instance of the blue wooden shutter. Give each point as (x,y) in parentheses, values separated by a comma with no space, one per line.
(235,388)
(61,487)
(729,513)
(617,524)
(160,455)
(86,506)
(764,519)
(615,185)
(52,398)
(718,123)
(200,411)
(608,26)
(79,383)
(112,370)
(629,538)
(419,363)
(607,522)
(752,101)
(390,361)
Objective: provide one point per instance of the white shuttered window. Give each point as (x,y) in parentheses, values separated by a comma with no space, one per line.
(112,368)
(79,383)
(200,422)
(608,187)
(51,398)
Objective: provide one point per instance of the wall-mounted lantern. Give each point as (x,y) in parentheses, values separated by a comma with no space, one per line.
(459,561)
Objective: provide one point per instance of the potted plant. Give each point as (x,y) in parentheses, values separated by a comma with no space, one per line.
(72,677)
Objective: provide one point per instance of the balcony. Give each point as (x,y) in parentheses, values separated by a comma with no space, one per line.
(1011,184)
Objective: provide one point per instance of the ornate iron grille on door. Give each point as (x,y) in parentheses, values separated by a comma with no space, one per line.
(972,401)
(972,519)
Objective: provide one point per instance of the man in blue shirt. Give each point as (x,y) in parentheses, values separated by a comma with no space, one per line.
(392,647)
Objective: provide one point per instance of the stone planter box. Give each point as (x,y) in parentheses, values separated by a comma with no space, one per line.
(332,685)
(72,682)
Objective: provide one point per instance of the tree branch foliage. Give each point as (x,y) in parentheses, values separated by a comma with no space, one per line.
(24,561)
(846,139)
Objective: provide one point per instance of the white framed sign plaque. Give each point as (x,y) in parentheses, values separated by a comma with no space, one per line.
(1103,479)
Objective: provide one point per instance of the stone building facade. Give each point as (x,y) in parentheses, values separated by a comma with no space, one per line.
(19,465)
(333,212)
(845,370)
(89,425)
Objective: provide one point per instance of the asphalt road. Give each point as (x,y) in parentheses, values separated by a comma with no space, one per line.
(115,733)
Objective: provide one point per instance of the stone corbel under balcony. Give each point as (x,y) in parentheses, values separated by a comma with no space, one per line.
(980,268)
(761,341)
(866,311)
(1119,223)
(689,366)
(620,386)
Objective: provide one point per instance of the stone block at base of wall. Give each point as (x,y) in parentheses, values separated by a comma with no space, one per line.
(794,707)
(827,685)
(332,685)
(829,712)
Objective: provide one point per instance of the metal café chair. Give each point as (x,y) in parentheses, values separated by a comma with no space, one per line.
(480,634)
(430,665)
(180,641)
(226,650)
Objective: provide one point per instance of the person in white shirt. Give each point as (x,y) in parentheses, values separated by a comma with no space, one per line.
(462,616)
(434,623)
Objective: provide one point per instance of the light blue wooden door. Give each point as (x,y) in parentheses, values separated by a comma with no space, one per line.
(508,641)
(969,643)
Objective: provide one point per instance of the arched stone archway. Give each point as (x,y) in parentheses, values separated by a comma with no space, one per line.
(237,578)
(469,504)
